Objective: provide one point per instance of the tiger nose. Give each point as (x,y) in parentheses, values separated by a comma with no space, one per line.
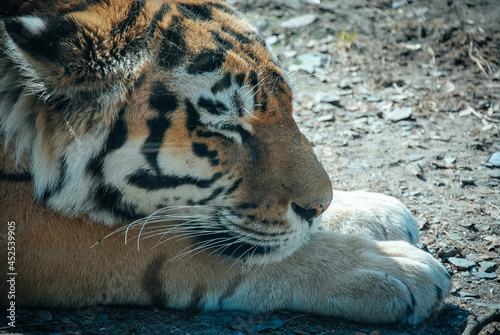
(310,213)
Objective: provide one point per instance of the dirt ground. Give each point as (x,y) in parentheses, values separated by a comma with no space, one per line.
(398,97)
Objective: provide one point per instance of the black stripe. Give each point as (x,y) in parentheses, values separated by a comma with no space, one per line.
(253,79)
(240,79)
(196,12)
(153,283)
(225,8)
(116,139)
(207,61)
(201,150)
(222,43)
(209,134)
(130,20)
(192,116)
(222,84)
(16,177)
(261,101)
(239,37)
(47,193)
(163,102)
(234,187)
(173,47)
(215,107)
(108,197)
(218,191)
(145,179)
(141,41)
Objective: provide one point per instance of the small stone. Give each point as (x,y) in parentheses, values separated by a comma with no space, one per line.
(398,114)
(450,160)
(487,266)
(331,99)
(322,107)
(311,61)
(485,275)
(299,21)
(461,263)
(465,294)
(448,87)
(415,158)
(495,159)
(272,40)
(494,173)
(262,24)
(327,117)
(468,181)
(441,253)
(423,223)
(427,201)
(398,4)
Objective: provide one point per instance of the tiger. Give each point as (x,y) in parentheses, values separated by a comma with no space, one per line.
(150,157)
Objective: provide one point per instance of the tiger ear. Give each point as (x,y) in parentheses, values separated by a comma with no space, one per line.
(65,56)
(41,40)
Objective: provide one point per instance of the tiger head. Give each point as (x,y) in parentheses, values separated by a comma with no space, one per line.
(137,109)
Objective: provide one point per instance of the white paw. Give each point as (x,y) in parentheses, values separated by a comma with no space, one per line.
(400,282)
(370,214)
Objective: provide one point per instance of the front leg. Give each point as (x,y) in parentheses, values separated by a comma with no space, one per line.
(375,215)
(350,277)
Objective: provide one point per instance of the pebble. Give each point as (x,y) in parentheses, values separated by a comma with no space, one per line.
(495,159)
(329,98)
(494,173)
(327,117)
(398,4)
(450,160)
(299,21)
(323,107)
(485,275)
(272,40)
(262,24)
(427,201)
(465,294)
(441,253)
(487,266)
(468,181)
(398,114)
(310,62)
(461,263)
(416,158)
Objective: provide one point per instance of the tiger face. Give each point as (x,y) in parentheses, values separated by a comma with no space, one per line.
(133,109)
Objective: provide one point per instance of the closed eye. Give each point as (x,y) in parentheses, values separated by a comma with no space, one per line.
(248,140)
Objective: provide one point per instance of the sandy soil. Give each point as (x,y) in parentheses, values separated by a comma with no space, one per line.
(398,97)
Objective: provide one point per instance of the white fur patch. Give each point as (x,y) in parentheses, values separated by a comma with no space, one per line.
(34,25)
(195,87)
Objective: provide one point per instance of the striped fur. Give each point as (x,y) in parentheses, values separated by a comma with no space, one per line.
(169,123)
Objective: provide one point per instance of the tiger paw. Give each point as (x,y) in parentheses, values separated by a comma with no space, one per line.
(375,215)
